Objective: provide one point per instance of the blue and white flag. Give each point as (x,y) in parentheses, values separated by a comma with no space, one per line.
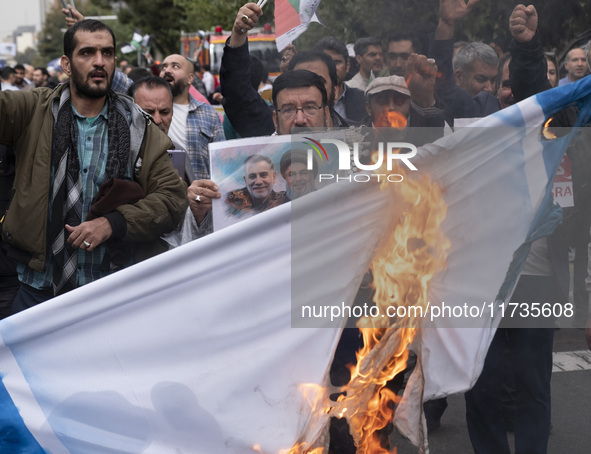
(193,351)
(497,179)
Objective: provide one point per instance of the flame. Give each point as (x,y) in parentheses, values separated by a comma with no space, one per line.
(403,266)
(390,119)
(317,399)
(546,130)
(396,119)
(300,448)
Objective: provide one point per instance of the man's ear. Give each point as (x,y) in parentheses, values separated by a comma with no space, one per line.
(65,64)
(368,108)
(358,58)
(274,177)
(191,77)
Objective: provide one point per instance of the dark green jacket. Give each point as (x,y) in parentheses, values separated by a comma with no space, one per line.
(26,124)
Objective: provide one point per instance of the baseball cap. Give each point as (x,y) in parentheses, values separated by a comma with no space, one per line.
(394,83)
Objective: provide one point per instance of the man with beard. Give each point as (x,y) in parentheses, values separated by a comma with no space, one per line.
(294,170)
(19,80)
(82,140)
(504,93)
(40,76)
(368,53)
(349,102)
(194,124)
(258,194)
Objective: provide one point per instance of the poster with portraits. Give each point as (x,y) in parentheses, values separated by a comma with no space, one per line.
(260,173)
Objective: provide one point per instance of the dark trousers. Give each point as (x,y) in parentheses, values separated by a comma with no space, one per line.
(530,354)
(28,297)
(7,295)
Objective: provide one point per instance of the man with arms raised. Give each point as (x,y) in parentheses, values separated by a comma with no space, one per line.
(400,47)
(72,140)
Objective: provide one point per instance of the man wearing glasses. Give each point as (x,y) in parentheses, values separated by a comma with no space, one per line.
(300,101)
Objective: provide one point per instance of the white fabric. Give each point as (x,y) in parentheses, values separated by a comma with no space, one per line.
(192,351)
(178,126)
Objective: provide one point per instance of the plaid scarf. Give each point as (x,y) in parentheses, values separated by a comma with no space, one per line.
(66,205)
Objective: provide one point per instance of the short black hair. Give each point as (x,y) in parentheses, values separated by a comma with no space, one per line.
(334,45)
(315,55)
(7,71)
(43,70)
(86,25)
(299,78)
(149,82)
(406,36)
(138,73)
(362,44)
(19,66)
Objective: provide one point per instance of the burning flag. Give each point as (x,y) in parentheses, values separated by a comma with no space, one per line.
(194,350)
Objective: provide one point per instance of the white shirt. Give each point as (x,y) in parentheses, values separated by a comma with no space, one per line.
(178,126)
(8,87)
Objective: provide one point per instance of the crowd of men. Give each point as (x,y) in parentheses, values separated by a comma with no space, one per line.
(113,193)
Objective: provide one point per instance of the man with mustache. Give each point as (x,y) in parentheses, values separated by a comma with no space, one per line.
(194,123)
(258,194)
(76,141)
(368,53)
(294,170)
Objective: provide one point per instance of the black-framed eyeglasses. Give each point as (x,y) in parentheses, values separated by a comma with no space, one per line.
(309,110)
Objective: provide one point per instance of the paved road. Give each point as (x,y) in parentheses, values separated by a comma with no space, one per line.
(571,402)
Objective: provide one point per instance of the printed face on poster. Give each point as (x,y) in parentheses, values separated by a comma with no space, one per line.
(258,174)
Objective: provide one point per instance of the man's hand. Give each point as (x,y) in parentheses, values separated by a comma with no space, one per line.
(95,232)
(76,15)
(243,24)
(451,11)
(288,53)
(206,190)
(420,77)
(523,23)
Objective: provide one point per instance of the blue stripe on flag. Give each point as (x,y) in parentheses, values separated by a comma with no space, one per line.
(15,438)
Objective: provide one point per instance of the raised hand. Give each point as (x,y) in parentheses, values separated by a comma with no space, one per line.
(523,23)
